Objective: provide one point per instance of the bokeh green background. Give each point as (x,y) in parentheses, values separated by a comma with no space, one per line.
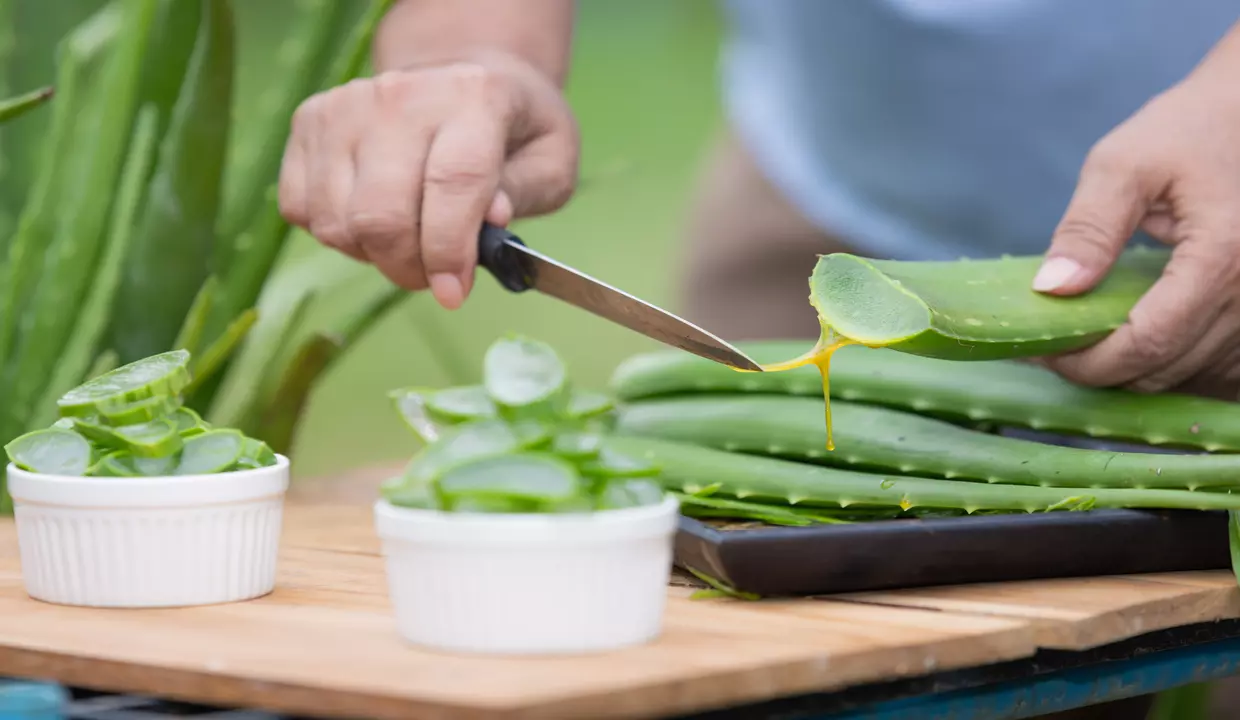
(643,86)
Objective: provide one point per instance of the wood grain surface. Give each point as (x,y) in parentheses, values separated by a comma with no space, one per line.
(324,643)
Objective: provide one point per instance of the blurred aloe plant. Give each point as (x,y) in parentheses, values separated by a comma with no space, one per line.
(148,219)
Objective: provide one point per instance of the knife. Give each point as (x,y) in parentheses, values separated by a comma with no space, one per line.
(518,268)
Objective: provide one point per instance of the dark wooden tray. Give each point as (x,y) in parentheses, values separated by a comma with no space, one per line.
(891,554)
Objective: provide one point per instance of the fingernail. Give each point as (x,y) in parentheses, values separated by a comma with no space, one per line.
(447,290)
(1054,273)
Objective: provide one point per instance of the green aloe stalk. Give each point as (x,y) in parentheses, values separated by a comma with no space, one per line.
(15,107)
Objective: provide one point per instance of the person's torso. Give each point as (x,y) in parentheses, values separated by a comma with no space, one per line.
(940,128)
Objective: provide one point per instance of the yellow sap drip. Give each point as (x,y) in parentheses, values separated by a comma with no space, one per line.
(820,357)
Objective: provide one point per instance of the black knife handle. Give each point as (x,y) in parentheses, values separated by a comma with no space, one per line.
(501,261)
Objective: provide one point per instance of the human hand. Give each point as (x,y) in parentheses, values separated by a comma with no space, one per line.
(1173,170)
(401,169)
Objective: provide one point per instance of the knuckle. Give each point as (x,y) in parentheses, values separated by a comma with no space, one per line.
(306,114)
(394,86)
(1153,346)
(330,233)
(381,226)
(459,176)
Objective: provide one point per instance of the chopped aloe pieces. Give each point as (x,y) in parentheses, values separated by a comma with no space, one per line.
(116,464)
(163,374)
(189,423)
(256,454)
(629,492)
(462,443)
(408,491)
(63,424)
(583,404)
(460,404)
(532,434)
(612,464)
(122,463)
(577,446)
(156,438)
(498,504)
(211,452)
(411,404)
(53,451)
(525,378)
(523,476)
(138,411)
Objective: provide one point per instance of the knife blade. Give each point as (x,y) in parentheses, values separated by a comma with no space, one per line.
(519,268)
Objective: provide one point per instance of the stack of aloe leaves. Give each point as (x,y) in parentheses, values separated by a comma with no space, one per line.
(931,369)
(524,440)
(132,422)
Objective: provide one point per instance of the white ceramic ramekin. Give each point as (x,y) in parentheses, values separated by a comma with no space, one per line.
(528,584)
(149,541)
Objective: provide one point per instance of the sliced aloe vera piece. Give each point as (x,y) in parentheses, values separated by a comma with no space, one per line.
(211,452)
(613,464)
(63,424)
(520,476)
(532,434)
(629,492)
(163,374)
(973,309)
(116,464)
(138,411)
(255,454)
(577,446)
(461,404)
(463,443)
(153,439)
(583,404)
(409,491)
(122,463)
(525,378)
(189,423)
(495,505)
(411,404)
(51,451)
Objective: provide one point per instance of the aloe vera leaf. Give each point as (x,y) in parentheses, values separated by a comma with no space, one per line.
(189,423)
(115,464)
(153,439)
(138,411)
(15,107)
(75,362)
(973,309)
(301,62)
(162,277)
(686,468)
(525,378)
(175,29)
(256,453)
(254,251)
(283,413)
(1000,391)
(210,452)
(609,464)
(522,476)
(165,373)
(885,440)
(189,337)
(106,361)
(713,507)
(408,490)
(51,451)
(463,443)
(218,352)
(100,136)
(1233,540)
(457,404)
(151,466)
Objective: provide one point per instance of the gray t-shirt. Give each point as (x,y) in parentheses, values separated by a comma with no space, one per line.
(936,129)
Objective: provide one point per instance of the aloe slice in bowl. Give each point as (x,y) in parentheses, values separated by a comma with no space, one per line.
(115,464)
(463,443)
(532,477)
(409,491)
(255,454)
(585,404)
(52,451)
(524,378)
(461,404)
(611,464)
(210,452)
(163,374)
(577,446)
(411,404)
(189,423)
(138,411)
(156,438)
(629,492)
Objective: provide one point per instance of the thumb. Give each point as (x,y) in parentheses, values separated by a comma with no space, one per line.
(1104,212)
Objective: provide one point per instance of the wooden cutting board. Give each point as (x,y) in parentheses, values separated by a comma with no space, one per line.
(324,643)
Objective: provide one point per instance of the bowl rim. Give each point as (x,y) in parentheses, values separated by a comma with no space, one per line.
(282,464)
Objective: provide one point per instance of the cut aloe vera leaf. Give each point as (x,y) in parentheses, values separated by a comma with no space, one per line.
(885,440)
(211,452)
(532,434)
(629,492)
(163,374)
(583,404)
(525,378)
(409,491)
(522,476)
(1004,392)
(189,423)
(577,446)
(687,468)
(461,404)
(138,411)
(115,464)
(464,443)
(612,463)
(973,309)
(51,451)
(494,505)
(63,424)
(157,438)
(411,404)
(256,453)
(122,463)
(724,508)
